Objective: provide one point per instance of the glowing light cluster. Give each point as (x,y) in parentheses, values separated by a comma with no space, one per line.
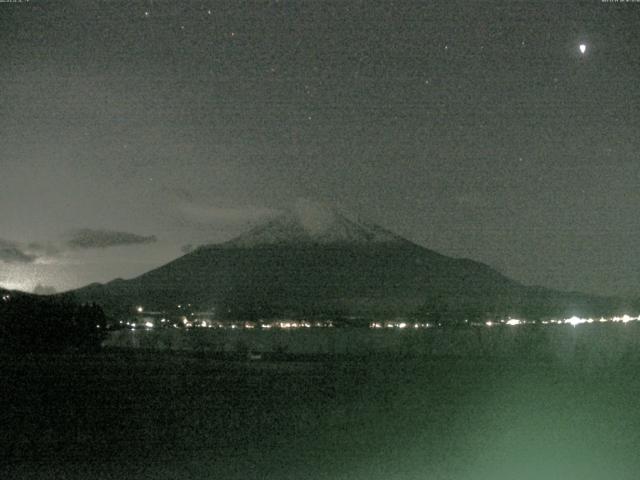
(398,324)
(625,319)
(575,321)
(296,324)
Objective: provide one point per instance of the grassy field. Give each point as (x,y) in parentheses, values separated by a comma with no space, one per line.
(136,414)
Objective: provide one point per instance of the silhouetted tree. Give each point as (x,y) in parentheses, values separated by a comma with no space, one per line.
(50,324)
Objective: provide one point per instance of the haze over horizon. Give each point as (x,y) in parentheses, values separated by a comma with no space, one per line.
(499,131)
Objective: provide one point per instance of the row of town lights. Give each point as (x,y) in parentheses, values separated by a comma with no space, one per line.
(573,321)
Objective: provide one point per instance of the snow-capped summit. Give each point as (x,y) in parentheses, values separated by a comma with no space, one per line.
(313,222)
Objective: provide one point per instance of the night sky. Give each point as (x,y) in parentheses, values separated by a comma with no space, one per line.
(132,131)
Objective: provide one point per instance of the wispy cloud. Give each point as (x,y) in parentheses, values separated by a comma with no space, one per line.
(40,289)
(188,248)
(88,238)
(12,252)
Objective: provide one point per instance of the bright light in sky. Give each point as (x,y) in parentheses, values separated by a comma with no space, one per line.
(583,48)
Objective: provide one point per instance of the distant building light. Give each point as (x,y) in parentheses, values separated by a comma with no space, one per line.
(573,321)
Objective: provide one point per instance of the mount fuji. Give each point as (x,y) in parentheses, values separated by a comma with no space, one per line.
(314,261)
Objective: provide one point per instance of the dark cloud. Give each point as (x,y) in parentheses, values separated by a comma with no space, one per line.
(10,252)
(43,248)
(87,238)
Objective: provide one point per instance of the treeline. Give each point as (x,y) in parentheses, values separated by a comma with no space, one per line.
(35,324)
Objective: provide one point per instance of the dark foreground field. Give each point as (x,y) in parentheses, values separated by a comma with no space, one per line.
(121,415)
